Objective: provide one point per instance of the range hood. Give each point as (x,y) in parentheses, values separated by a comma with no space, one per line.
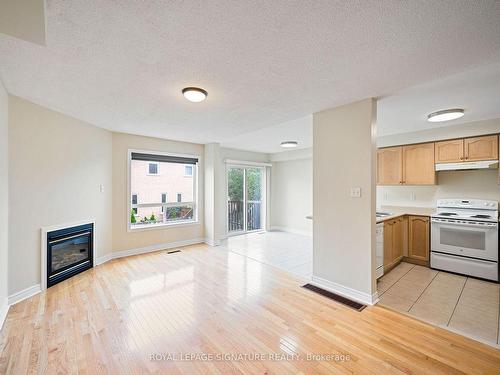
(487,164)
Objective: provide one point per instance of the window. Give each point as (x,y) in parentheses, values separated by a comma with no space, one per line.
(188,171)
(153,168)
(154,209)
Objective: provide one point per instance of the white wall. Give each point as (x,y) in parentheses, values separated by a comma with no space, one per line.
(122,238)
(4,200)
(481,184)
(344,153)
(214,182)
(56,164)
(291,191)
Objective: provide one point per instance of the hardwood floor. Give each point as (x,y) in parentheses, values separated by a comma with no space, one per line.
(111,319)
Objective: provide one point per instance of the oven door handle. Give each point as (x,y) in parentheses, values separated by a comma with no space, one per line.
(475,225)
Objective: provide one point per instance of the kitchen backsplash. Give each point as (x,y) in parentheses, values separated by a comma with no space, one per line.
(481,184)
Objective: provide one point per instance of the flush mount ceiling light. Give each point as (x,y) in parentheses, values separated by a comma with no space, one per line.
(194,94)
(445,115)
(289,144)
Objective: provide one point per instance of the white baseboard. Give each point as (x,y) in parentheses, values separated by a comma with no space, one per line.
(4,309)
(152,248)
(291,230)
(23,294)
(345,291)
(211,242)
(103,259)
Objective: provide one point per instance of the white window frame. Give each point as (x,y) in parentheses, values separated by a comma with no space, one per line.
(157,168)
(194,203)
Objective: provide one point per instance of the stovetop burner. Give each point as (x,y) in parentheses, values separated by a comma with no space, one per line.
(477,210)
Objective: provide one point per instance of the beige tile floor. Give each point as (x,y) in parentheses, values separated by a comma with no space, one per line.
(461,304)
(287,251)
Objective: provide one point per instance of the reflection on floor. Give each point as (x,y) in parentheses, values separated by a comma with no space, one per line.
(290,252)
(204,310)
(462,304)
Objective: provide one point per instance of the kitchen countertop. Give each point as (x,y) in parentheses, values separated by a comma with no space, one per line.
(397,211)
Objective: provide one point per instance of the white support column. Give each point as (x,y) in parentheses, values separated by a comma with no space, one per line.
(212,196)
(344,159)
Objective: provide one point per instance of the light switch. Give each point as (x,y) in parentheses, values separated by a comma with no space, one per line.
(413,196)
(355,192)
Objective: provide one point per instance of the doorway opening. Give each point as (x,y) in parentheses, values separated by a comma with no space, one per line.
(245,199)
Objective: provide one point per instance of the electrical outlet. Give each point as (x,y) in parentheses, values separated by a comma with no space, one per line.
(355,192)
(386,196)
(413,196)
(101,188)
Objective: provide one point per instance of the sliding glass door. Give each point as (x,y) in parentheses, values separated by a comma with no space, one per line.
(235,200)
(244,203)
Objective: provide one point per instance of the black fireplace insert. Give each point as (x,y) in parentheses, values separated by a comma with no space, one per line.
(69,252)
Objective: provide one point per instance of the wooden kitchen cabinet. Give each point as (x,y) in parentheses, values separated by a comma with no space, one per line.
(418,164)
(389,166)
(418,238)
(481,148)
(451,151)
(394,235)
(399,235)
(388,241)
(406,165)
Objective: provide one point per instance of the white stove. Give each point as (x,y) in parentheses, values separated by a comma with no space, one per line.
(467,209)
(464,237)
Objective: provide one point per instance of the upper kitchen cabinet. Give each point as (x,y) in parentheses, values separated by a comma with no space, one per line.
(418,164)
(389,166)
(481,148)
(450,151)
(406,165)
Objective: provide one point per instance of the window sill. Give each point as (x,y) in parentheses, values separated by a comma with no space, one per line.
(178,224)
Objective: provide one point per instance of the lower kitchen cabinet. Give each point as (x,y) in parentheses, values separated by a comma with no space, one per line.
(418,238)
(394,241)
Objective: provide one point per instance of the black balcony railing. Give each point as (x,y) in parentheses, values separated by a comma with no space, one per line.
(236,218)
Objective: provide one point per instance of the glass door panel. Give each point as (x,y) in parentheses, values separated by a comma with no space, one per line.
(236,197)
(253,183)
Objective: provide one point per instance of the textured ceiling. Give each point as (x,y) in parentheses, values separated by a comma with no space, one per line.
(121,65)
(268,139)
(477,91)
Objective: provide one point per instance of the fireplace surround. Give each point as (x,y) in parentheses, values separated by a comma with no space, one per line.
(66,251)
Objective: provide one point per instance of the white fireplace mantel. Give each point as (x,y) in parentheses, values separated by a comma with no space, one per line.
(43,254)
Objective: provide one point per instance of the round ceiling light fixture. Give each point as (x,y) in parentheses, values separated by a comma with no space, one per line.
(194,94)
(445,115)
(289,144)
